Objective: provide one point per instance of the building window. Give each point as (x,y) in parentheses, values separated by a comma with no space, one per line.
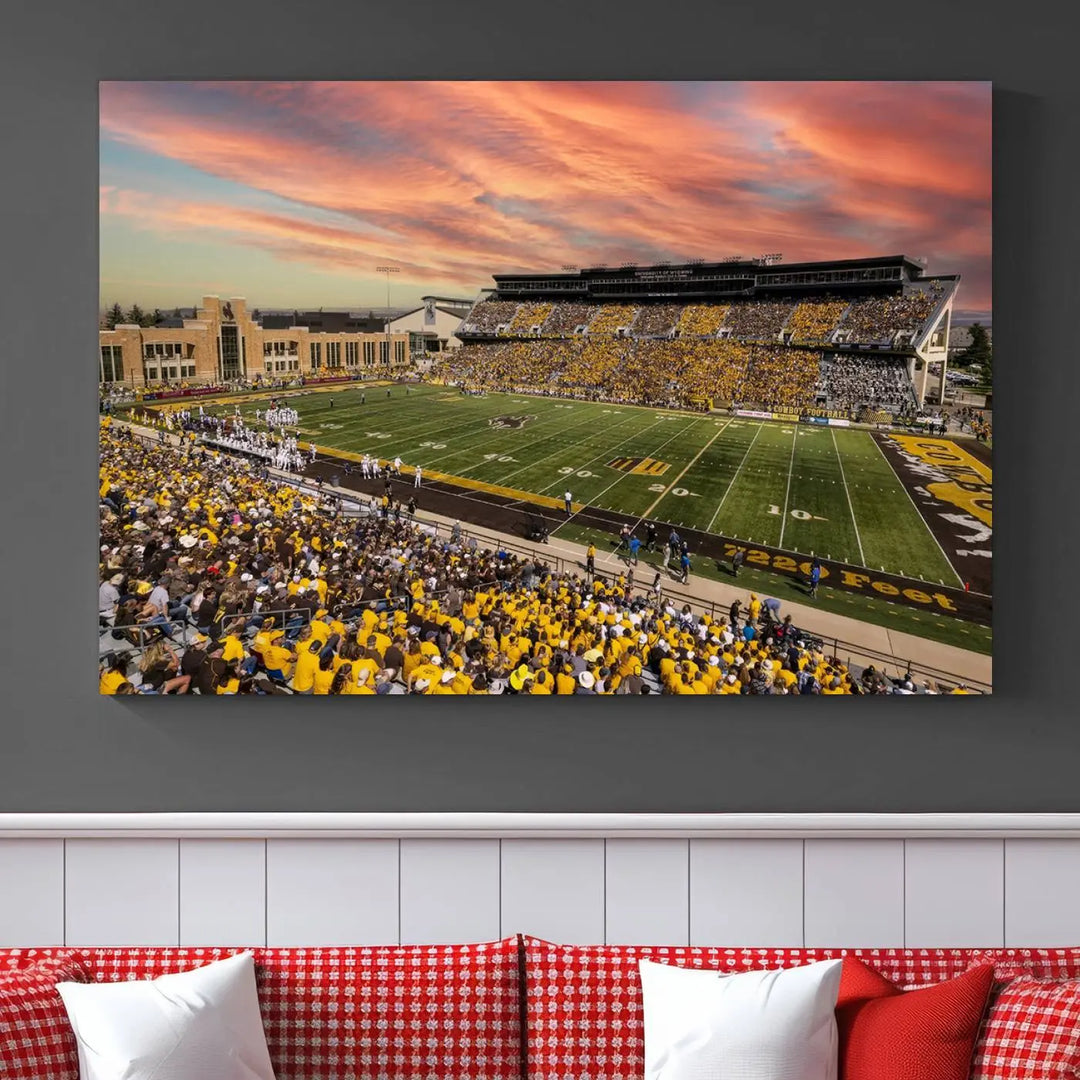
(231,365)
(333,354)
(369,353)
(267,348)
(316,356)
(352,353)
(384,353)
(150,374)
(399,352)
(111,364)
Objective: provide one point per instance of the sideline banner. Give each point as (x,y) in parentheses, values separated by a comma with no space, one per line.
(838,423)
(754,414)
(819,420)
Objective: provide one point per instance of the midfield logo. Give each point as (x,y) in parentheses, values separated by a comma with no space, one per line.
(642,466)
(510,421)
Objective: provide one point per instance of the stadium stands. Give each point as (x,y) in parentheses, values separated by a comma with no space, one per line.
(856,382)
(529,315)
(216,579)
(758,320)
(684,355)
(657,320)
(702,320)
(877,320)
(611,317)
(813,321)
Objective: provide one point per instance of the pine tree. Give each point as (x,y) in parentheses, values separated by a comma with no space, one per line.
(979,352)
(136,315)
(115,315)
(176,313)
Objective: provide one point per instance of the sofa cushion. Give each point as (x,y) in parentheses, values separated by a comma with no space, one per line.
(173,1027)
(930,1031)
(754,1025)
(36,1038)
(361,1013)
(1033,963)
(1031,1032)
(583,1002)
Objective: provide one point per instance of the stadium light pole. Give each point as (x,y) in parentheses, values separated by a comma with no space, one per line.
(388,270)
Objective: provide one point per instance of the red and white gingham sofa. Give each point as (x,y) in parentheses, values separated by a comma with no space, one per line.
(526,1009)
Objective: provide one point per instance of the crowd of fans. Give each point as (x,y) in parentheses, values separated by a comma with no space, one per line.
(528,316)
(781,378)
(218,580)
(611,317)
(487,316)
(868,320)
(758,320)
(878,319)
(875,383)
(680,372)
(702,320)
(657,320)
(814,320)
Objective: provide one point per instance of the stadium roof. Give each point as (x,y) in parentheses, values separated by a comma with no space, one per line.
(698,267)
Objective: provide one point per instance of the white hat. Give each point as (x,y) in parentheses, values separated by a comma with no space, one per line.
(447,676)
(643,639)
(586,679)
(245,577)
(714,661)
(363,673)
(188,541)
(731,677)
(421,684)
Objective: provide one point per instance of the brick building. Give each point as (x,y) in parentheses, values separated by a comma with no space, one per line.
(224,342)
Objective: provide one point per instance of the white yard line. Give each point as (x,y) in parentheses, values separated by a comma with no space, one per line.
(660,498)
(790,470)
(607,452)
(738,470)
(918,512)
(560,450)
(855,524)
(652,453)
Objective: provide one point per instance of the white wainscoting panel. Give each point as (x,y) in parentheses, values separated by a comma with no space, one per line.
(332,892)
(31,892)
(854,893)
(122,892)
(647,896)
(954,893)
(746,892)
(449,891)
(222,892)
(727,880)
(554,889)
(1042,892)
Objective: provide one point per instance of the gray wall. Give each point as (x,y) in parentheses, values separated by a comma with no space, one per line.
(61,748)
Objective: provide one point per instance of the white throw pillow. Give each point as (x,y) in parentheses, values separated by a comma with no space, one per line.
(757,1025)
(200,1023)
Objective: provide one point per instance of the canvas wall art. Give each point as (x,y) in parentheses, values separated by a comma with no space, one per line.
(548,388)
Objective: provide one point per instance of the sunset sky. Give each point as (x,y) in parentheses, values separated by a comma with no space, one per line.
(292,193)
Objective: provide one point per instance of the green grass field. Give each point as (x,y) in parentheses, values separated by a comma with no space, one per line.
(807,489)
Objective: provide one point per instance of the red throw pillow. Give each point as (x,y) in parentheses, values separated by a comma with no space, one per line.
(1031,1032)
(891,1034)
(36,1037)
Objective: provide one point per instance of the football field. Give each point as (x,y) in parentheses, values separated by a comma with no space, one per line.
(807,489)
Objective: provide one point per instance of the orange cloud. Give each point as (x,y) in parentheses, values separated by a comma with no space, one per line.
(466,179)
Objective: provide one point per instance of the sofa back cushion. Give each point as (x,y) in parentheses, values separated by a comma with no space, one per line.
(36,1039)
(1031,1032)
(584,1017)
(385,1012)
